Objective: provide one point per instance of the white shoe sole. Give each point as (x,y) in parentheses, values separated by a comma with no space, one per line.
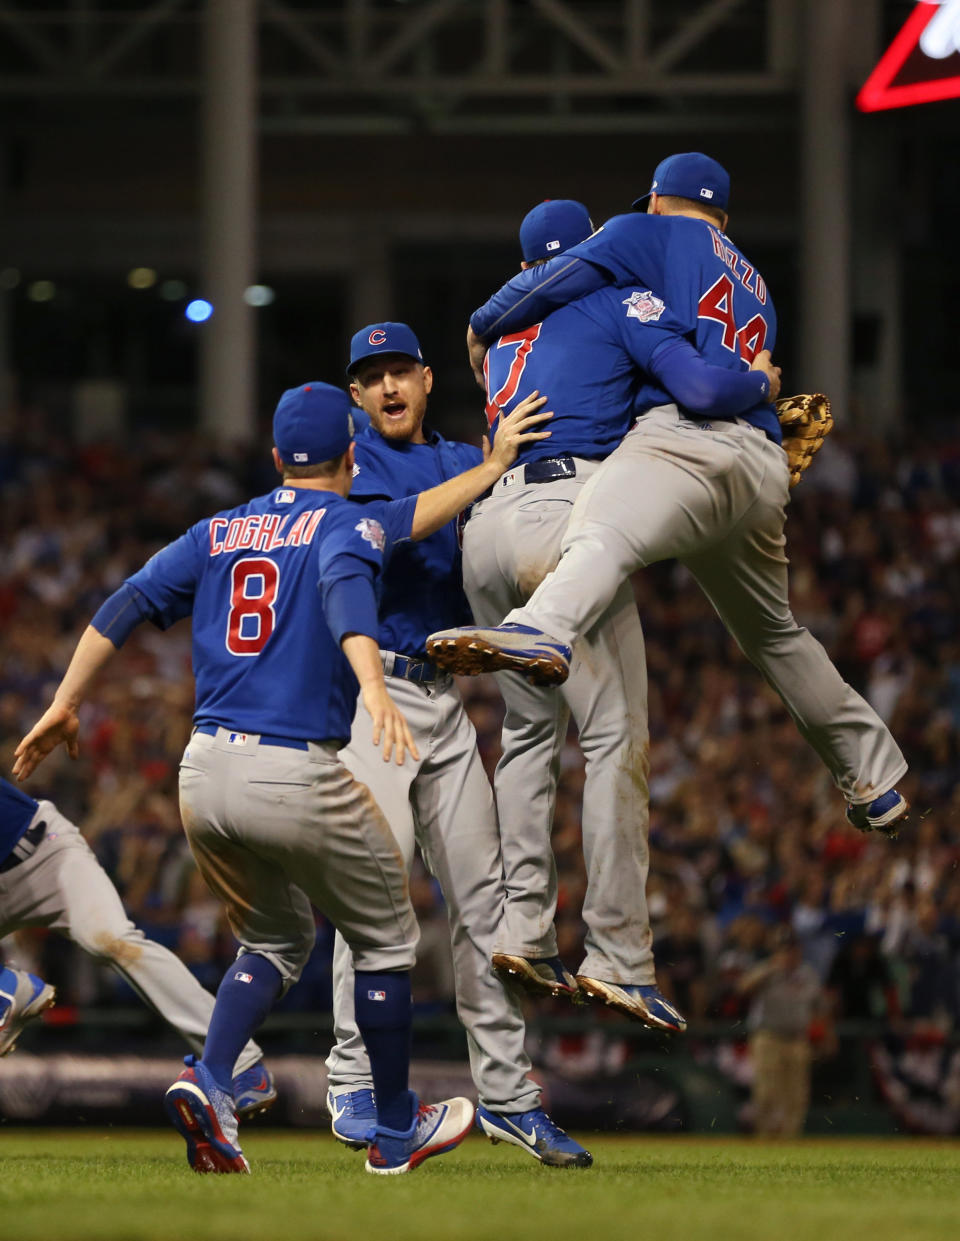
(455,1126)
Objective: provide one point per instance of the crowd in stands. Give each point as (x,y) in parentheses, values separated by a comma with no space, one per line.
(747,832)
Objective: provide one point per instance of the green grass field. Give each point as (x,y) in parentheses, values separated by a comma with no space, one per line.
(136,1186)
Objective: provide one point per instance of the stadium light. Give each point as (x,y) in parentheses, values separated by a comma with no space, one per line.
(199,310)
(259,295)
(922,64)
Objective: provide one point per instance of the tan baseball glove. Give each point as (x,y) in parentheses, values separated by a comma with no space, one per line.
(806,422)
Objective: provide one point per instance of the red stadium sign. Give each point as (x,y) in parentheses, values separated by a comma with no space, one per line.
(922,64)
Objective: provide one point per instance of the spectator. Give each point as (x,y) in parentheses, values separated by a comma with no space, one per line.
(786,997)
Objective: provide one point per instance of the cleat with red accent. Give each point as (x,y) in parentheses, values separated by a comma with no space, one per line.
(436,1129)
(254,1091)
(206,1118)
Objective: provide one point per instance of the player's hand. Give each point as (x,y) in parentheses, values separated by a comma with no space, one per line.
(763,362)
(518,428)
(58,725)
(477,351)
(389,723)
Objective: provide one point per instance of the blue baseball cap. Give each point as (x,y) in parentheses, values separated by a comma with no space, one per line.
(552,227)
(312,423)
(690,175)
(378,338)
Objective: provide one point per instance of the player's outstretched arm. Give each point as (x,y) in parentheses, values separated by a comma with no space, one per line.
(441,504)
(389,721)
(59,724)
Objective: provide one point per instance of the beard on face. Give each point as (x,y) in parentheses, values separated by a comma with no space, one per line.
(398,427)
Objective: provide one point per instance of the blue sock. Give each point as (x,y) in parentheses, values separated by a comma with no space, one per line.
(248,992)
(383,1012)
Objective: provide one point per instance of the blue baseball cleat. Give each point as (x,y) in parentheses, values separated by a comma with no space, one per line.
(353,1117)
(254,1090)
(23,997)
(537,975)
(643,1004)
(883,814)
(436,1129)
(535,1133)
(205,1116)
(505,648)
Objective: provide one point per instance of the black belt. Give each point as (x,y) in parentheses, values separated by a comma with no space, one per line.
(548,469)
(291,743)
(419,670)
(25,846)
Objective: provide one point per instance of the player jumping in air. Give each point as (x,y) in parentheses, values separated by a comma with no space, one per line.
(712,493)
(604,357)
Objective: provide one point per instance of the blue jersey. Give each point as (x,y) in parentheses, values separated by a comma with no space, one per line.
(717,299)
(254,580)
(16,811)
(598,361)
(422,588)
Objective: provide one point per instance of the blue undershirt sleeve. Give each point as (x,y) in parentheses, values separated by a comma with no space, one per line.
(350,606)
(703,389)
(532,294)
(118,616)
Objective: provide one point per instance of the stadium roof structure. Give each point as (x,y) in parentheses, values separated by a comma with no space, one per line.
(442,66)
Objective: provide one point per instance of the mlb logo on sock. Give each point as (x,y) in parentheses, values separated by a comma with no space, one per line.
(377,995)
(240,977)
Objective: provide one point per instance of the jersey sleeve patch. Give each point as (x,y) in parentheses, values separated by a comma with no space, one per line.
(644,305)
(372,532)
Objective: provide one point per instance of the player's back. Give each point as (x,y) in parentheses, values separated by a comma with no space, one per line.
(581,367)
(264,658)
(716,296)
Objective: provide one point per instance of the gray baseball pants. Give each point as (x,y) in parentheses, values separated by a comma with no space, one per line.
(714,495)
(444,803)
(61,885)
(511,542)
(275,828)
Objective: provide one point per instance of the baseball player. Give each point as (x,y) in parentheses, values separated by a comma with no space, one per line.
(711,493)
(600,356)
(442,800)
(50,877)
(281,591)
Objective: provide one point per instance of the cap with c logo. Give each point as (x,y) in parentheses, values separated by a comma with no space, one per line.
(377,338)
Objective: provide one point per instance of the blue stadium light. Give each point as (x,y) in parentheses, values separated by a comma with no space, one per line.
(199,310)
